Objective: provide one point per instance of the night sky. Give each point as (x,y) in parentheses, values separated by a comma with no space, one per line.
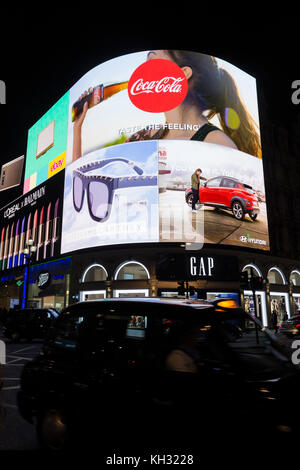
(43,56)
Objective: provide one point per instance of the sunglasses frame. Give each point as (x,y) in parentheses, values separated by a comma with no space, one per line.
(112,183)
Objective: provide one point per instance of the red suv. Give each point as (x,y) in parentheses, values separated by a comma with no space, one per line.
(227,193)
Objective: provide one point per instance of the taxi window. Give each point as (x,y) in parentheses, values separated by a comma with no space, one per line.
(68,330)
(136,326)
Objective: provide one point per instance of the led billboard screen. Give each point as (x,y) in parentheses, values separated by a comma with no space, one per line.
(133,131)
(11,173)
(47,144)
(37,216)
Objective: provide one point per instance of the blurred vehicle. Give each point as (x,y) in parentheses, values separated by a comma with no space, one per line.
(29,323)
(291,326)
(228,193)
(144,371)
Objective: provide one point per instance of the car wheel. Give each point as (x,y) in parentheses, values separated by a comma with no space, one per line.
(189,199)
(52,430)
(253,216)
(238,210)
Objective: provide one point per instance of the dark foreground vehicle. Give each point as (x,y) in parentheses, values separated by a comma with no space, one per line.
(29,323)
(291,327)
(134,373)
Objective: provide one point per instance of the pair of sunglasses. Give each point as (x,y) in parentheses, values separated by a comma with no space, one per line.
(100,189)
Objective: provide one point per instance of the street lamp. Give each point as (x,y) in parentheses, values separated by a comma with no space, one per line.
(28,251)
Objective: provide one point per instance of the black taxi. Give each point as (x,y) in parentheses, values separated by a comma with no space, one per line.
(148,370)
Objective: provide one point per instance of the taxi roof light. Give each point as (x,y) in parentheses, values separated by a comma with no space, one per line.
(228,303)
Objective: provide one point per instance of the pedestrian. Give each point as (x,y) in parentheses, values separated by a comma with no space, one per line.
(285,316)
(195,183)
(274,320)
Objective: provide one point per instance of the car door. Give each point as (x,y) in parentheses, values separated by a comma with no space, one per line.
(226,191)
(209,193)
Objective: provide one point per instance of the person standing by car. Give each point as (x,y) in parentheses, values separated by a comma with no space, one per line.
(195,183)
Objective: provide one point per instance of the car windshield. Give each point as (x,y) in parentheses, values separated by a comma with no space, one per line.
(53,312)
(248,188)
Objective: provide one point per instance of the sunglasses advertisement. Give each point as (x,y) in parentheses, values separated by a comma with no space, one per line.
(111,196)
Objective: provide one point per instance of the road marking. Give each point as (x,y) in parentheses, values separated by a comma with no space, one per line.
(10,378)
(18,359)
(11,388)
(24,349)
(16,364)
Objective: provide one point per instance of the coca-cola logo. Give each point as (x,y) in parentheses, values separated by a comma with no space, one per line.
(157,86)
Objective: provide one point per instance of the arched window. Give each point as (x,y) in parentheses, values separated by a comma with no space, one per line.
(276,276)
(295,278)
(131,270)
(95,272)
(251,268)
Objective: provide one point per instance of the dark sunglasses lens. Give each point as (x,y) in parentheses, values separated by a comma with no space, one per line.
(98,199)
(77,192)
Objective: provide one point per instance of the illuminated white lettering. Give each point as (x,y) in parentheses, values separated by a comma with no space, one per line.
(2,352)
(296,94)
(210,266)
(193,267)
(202,268)
(165,85)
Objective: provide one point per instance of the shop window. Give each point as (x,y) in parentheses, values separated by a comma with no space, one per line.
(94,273)
(275,276)
(132,270)
(295,278)
(280,305)
(136,326)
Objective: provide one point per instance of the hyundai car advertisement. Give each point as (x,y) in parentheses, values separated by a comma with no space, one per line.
(231,207)
(157,146)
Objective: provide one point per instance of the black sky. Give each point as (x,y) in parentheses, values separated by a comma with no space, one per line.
(43,55)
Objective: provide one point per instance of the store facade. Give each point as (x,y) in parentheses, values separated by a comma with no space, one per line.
(11,289)
(159,271)
(112,217)
(48,285)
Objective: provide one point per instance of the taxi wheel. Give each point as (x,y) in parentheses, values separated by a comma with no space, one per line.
(52,430)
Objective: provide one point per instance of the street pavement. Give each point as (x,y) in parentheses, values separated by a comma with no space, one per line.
(15,433)
(17,437)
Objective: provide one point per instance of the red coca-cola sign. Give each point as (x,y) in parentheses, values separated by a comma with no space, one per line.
(157,86)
